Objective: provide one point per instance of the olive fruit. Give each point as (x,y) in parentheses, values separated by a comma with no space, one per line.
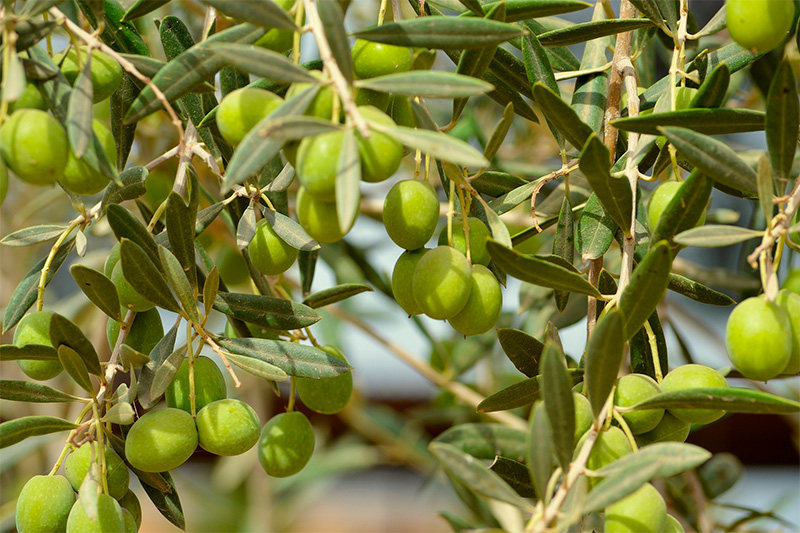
(78,463)
(758,24)
(3,180)
(380,154)
(286,444)
(131,503)
(691,377)
(146,331)
(322,104)
(161,440)
(792,281)
(31,98)
(644,510)
(611,444)
(442,282)
(401,111)
(106,72)
(483,306)
(130,525)
(128,297)
(673,526)
(759,338)
(278,40)
(82,178)
(44,504)
(109,517)
(329,395)
(270,254)
(402,278)
(34,328)
(227,427)
(478,235)
(583,414)
(410,213)
(34,146)
(319,218)
(317,161)
(209,385)
(242,109)
(367,97)
(423,58)
(632,389)
(669,429)
(660,199)
(372,59)
(790,302)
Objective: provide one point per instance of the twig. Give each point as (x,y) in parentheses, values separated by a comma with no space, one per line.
(779,224)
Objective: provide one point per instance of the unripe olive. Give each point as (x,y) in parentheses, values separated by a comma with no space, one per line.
(644,510)
(161,440)
(367,97)
(759,338)
(377,59)
(78,463)
(380,154)
(670,429)
(278,40)
(402,279)
(442,282)
(632,389)
(128,297)
(478,235)
(611,444)
(34,328)
(583,415)
(209,385)
(319,218)
(270,254)
(129,521)
(227,427)
(31,98)
(483,306)
(105,71)
(34,146)
(690,377)
(401,111)
(673,526)
(790,302)
(109,517)
(146,331)
(317,160)
(329,395)
(410,213)
(286,444)
(792,281)
(322,104)
(130,503)
(242,109)
(82,178)
(660,199)
(44,504)
(759,25)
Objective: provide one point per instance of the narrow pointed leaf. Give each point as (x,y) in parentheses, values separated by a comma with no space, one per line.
(166,372)
(257,367)
(561,115)
(538,69)
(99,289)
(439,145)
(716,236)
(528,9)
(158,355)
(730,399)
(167,501)
(519,394)
(685,209)
(79,114)
(33,235)
(211,288)
(646,288)
(712,91)
(540,454)
(27,391)
(604,353)
(333,21)
(499,134)
(348,181)
(19,429)
(142,7)
(523,350)
(295,359)
(516,474)
(705,121)
(144,277)
(486,441)
(264,13)
(783,118)
(586,31)
(442,32)
(180,283)
(73,365)
(133,186)
(335,294)
(64,332)
(125,225)
(697,291)
(266,311)
(595,230)
(614,193)
(262,63)
(290,231)
(675,457)
(559,403)
(35,352)
(427,84)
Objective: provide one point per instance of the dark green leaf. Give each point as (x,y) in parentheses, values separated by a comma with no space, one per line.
(516,474)
(167,501)
(144,277)
(700,120)
(595,230)
(31,32)
(335,294)
(26,391)
(442,32)
(730,399)
(561,115)
(348,181)
(180,219)
(295,359)
(486,441)
(697,291)
(685,209)
(125,225)
(261,12)
(121,36)
(499,134)
(99,289)
(166,371)
(262,63)
(646,288)
(35,352)
(133,180)
(519,394)
(19,429)
(713,89)
(439,145)
(64,331)
(529,9)
(142,7)
(211,288)
(604,353)
(33,235)
(257,367)
(715,236)
(427,83)
(73,365)
(540,454)
(783,118)
(558,402)
(614,193)
(495,184)
(158,355)
(586,31)
(180,283)
(266,311)
(522,349)
(332,17)
(290,231)
(538,69)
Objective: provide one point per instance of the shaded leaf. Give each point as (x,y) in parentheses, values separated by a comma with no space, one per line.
(614,193)
(561,116)
(125,225)
(559,403)
(180,220)
(783,117)
(295,359)
(685,209)
(99,289)
(519,394)
(697,291)
(604,352)
(79,113)
(523,350)
(442,32)
(19,429)
(646,288)
(144,277)
(265,311)
(516,474)
(73,365)
(35,352)
(64,332)
(26,391)
(486,441)
(166,501)
(180,283)
(335,294)
(332,17)
(540,454)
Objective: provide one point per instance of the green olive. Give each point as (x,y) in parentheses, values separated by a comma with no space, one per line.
(209,385)
(161,440)
(632,389)
(759,25)
(644,510)
(270,254)
(410,213)
(478,235)
(317,161)
(129,298)
(109,517)
(44,504)
(322,104)
(34,328)
(78,463)
(278,40)
(759,338)
(242,109)
(483,307)
(377,59)
(34,146)
(670,429)
(402,279)
(790,302)
(227,427)
(442,282)
(319,218)
(380,154)
(105,71)
(145,332)
(611,444)
(330,395)
(79,176)
(286,444)
(690,377)
(31,98)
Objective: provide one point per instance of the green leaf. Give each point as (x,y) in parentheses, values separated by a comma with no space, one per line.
(495,184)
(685,209)
(158,355)
(73,365)
(35,352)
(437,144)
(133,186)
(700,120)
(266,311)
(539,271)
(142,7)
(716,159)
(26,391)
(167,501)
(523,350)
(674,458)
(498,135)
(257,367)
(766,187)
(197,64)
(125,225)
(614,193)
(262,63)
(529,9)
(99,289)
(595,230)
(427,84)
(469,471)
(783,119)
(540,453)
(144,277)
(604,353)
(120,413)
(712,91)
(697,291)
(64,332)
(498,228)
(121,36)
(31,32)
(559,403)
(538,69)
(613,489)
(646,288)
(264,13)
(295,359)
(730,399)
(586,31)
(332,16)
(486,441)
(19,429)
(79,113)
(166,371)
(519,394)
(442,32)
(180,219)
(348,181)
(33,235)
(516,474)
(564,245)
(561,116)
(716,236)
(180,283)
(211,288)
(335,294)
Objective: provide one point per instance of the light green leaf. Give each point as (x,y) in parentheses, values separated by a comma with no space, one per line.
(33,235)
(427,84)
(439,145)
(262,63)
(295,359)
(257,367)
(715,236)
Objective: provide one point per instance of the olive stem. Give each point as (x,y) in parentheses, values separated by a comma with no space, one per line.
(625,429)
(49,261)
(651,339)
(72,433)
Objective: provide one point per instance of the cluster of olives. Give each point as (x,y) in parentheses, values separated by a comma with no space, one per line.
(34,145)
